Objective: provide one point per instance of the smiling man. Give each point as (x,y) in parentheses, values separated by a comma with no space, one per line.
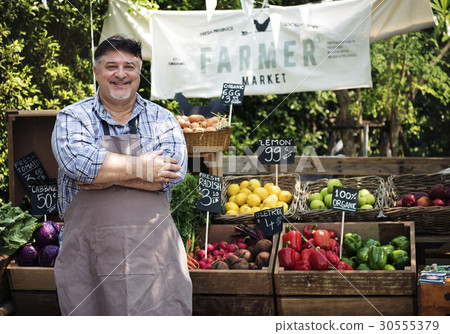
(118,156)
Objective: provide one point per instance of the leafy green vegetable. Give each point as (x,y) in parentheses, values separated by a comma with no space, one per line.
(183,207)
(16,228)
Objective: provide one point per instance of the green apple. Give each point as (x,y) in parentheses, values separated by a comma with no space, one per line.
(370,199)
(366,207)
(361,200)
(364,192)
(324,192)
(317,204)
(333,182)
(315,196)
(327,200)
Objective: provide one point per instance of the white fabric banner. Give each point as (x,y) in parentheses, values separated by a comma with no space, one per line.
(324,22)
(313,47)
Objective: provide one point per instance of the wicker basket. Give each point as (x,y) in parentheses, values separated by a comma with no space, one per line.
(374,184)
(290,182)
(214,140)
(429,220)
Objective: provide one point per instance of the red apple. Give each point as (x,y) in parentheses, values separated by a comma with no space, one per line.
(424,201)
(439,202)
(409,200)
(399,203)
(436,191)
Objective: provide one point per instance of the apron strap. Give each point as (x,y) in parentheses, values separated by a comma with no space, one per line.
(131,124)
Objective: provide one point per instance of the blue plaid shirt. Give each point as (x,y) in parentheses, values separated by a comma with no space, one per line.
(76,142)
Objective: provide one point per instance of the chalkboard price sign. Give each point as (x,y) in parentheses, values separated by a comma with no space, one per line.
(270,221)
(276,151)
(30,170)
(232,94)
(210,187)
(344,199)
(44,197)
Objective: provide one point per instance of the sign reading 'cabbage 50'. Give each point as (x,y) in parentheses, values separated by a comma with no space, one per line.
(279,50)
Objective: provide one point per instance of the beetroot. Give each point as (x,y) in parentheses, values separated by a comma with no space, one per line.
(244,254)
(220,265)
(262,259)
(263,245)
(240,264)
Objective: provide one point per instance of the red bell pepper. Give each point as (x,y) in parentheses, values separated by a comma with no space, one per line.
(333,233)
(322,239)
(308,231)
(306,253)
(309,244)
(332,257)
(288,257)
(343,266)
(318,259)
(295,239)
(302,265)
(334,246)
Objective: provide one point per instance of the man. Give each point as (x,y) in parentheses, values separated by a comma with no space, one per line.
(118,156)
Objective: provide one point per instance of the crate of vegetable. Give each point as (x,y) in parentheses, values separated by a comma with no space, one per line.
(235,276)
(377,269)
(315,203)
(423,198)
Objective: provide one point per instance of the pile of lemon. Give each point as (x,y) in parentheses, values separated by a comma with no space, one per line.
(250,196)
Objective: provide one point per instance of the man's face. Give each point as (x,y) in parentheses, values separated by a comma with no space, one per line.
(118,76)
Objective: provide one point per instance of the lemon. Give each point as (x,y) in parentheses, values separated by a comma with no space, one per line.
(253,200)
(268,185)
(275,190)
(231,199)
(232,212)
(245,191)
(284,205)
(285,196)
(245,209)
(233,189)
(240,199)
(253,184)
(255,209)
(274,197)
(244,184)
(231,206)
(270,202)
(265,208)
(261,192)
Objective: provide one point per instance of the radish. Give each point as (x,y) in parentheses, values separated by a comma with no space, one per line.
(200,254)
(241,245)
(223,245)
(231,248)
(215,245)
(209,248)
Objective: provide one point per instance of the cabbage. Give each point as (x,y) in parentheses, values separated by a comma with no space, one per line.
(47,234)
(47,255)
(28,255)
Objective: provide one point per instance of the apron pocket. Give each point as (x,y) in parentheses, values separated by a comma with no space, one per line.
(125,250)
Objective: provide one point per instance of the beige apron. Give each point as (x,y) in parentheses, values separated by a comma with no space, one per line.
(122,253)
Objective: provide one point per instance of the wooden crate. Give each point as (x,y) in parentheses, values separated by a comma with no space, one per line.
(357,282)
(434,299)
(346,306)
(233,292)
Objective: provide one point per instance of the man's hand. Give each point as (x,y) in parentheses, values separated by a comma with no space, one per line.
(154,167)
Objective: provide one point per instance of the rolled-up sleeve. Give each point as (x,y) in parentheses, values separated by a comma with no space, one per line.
(76,148)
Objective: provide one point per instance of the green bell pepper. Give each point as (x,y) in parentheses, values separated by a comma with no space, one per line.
(362,255)
(352,242)
(377,257)
(363,266)
(370,242)
(389,249)
(400,259)
(389,267)
(401,242)
(350,261)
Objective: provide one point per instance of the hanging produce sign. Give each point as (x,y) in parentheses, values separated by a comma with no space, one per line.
(233,94)
(276,151)
(269,221)
(344,199)
(210,187)
(30,170)
(44,197)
